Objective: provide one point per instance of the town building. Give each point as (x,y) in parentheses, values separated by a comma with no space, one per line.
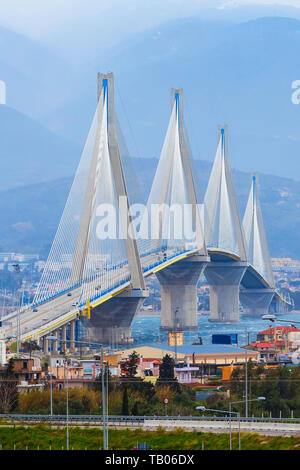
(267,351)
(206,358)
(282,338)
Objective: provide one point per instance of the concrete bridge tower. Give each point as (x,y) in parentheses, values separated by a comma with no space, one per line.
(224,238)
(174,186)
(256,298)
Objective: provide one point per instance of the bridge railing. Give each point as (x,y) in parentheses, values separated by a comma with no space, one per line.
(143,418)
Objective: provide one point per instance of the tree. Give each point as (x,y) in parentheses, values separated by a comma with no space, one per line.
(125,409)
(130,366)
(8,389)
(135,409)
(30,346)
(107,380)
(166,373)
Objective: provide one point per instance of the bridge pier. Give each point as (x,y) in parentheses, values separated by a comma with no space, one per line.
(179,300)
(64,337)
(224,283)
(256,302)
(72,325)
(111,321)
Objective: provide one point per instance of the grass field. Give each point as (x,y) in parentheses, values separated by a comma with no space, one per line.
(43,437)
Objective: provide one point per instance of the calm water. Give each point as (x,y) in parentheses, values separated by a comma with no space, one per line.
(145,330)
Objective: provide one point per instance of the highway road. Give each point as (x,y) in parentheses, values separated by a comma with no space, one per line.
(265,426)
(63,304)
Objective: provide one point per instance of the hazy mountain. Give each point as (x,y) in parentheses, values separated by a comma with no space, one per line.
(30,153)
(37,80)
(239,74)
(29,215)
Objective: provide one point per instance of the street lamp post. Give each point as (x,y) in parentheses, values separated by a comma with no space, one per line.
(51,338)
(203,408)
(104,404)
(67,399)
(246,374)
(18,270)
(234,403)
(272,318)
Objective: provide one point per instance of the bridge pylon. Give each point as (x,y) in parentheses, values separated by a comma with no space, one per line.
(224,238)
(95,251)
(256,299)
(111,321)
(174,187)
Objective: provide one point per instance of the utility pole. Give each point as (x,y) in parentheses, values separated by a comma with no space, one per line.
(67,401)
(246,376)
(103,402)
(18,270)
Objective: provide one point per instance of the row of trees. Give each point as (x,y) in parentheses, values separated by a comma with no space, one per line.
(128,395)
(280,386)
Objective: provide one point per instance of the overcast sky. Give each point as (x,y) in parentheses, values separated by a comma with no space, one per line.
(43,18)
(77,29)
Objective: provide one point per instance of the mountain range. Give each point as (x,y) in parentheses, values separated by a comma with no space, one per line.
(234,73)
(30,214)
(239,74)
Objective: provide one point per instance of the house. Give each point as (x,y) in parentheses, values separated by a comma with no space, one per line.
(279,337)
(148,367)
(185,373)
(28,370)
(267,351)
(206,357)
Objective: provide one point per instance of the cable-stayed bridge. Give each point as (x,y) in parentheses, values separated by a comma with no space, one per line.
(105,247)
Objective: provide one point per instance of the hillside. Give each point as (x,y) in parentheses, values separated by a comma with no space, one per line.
(239,74)
(30,153)
(29,215)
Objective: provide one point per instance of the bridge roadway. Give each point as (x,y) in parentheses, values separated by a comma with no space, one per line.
(60,310)
(265,426)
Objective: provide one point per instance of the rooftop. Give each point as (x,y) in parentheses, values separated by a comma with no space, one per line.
(271,330)
(207,349)
(262,345)
(150,351)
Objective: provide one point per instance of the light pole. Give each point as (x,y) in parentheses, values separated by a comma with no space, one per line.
(203,408)
(246,374)
(51,338)
(273,318)
(104,401)
(67,400)
(234,403)
(18,270)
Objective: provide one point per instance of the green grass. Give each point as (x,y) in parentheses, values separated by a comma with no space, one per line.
(91,439)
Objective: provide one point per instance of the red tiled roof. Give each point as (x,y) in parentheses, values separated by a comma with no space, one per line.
(271,330)
(155,361)
(262,345)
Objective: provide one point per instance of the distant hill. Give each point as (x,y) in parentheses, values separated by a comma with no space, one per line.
(30,153)
(239,74)
(29,215)
(38,81)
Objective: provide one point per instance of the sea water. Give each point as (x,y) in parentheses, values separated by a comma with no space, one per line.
(146,330)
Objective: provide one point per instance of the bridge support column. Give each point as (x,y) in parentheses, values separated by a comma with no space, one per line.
(55,343)
(179,300)
(224,282)
(256,302)
(64,337)
(111,321)
(46,345)
(72,336)
(42,342)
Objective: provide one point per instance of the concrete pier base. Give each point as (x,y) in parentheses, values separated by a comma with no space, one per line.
(179,300)
(111,321)
(224,282)
(256,302)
